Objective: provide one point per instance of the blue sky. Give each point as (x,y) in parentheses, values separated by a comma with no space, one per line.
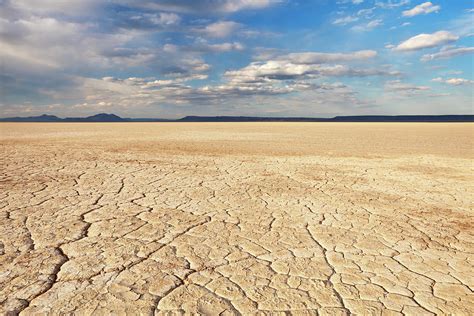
(171,58)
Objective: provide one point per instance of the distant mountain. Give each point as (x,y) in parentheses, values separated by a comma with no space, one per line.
(249,119)
(360,118)
(404,118)
(104,117)
(41,118)
(101,117)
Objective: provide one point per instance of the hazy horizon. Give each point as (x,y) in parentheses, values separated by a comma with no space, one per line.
(134,119)
(169,59)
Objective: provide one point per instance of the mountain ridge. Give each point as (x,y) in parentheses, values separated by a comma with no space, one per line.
(111,118)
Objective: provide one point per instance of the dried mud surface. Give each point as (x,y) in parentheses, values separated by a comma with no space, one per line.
(236,218)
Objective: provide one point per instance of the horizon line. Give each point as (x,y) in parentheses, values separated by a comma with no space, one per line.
(110,117)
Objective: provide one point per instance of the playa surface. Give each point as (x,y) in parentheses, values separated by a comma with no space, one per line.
(236,218)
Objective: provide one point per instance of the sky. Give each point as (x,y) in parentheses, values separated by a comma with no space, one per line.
(171,58)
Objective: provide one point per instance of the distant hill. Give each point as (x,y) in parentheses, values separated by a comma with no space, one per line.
(41,118)
(249,119)
(104,117)
(101,117)
(405,118)
(360,118)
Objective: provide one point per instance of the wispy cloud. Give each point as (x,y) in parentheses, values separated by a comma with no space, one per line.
(368,26)
(392,4)
(345,20)
(448,53)
(399,86)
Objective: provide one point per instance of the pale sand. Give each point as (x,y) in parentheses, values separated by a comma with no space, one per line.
(236,218)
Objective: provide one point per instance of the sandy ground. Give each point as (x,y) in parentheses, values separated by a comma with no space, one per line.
(236,218)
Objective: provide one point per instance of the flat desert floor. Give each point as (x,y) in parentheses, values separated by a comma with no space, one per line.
(237,218)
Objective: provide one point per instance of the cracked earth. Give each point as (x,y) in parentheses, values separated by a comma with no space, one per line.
(236,218)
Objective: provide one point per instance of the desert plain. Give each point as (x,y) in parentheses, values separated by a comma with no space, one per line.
(236,218)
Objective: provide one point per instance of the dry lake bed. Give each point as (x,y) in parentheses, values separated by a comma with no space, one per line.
(236,218)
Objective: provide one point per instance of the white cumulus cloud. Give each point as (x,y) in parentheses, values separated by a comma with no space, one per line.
(458,81)
(424,8)
(453,81)
(422,41)
(220,29)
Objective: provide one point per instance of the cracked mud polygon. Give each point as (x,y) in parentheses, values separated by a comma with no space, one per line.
(236,218)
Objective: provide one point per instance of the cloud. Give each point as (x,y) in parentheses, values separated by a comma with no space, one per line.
(42,57)
(220,29)
(47,7)
(285,75)
(205,47)
(51,43)
(366,12)
(44,42)
(448,53)
(453,81)
(286,69)
(462,25)
(319,58)
(458,81)
(405,89)
(130,96)
(438,79)
(345,20)
(350,1)
(166,19)
(399,26)
(368,26)
(93,7)
(201,6)
(147,83)
(397,85)
(422,41)
(144,91)
(148,21)
(223,47)
(374,23)
(424,8)
(48,44)
(392,4)
(33,40)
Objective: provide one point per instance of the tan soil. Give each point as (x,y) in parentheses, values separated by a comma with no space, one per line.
(236,218)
